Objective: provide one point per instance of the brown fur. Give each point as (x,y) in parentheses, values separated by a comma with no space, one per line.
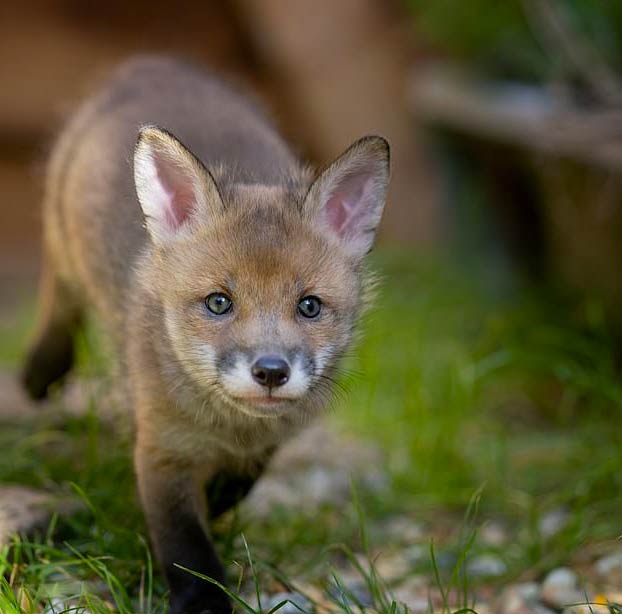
(257,238)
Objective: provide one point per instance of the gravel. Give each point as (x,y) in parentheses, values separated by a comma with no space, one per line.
(486,565)
(296,603)
(610,566)
(561,588)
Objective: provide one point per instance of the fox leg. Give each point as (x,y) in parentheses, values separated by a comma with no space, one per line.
(174,506)
(51,354)
(226,489)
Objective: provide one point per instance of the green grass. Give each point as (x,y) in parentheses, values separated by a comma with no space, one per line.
(487,408)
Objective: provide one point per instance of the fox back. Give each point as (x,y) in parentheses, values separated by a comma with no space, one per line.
(91,214)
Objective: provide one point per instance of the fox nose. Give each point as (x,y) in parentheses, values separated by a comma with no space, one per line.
(270,371)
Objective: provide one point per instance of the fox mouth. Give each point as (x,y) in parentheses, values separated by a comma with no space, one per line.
(267,402)
(259,405)
(263,400)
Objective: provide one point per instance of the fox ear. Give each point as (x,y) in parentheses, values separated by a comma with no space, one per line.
(171,184)
(349,195)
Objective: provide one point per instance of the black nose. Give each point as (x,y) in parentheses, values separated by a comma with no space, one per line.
(270,371)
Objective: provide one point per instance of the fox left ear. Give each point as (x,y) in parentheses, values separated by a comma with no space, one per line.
(349,195)
(174,189)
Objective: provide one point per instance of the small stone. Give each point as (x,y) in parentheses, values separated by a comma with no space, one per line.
(561,588)
(520,598)
(295,603)
(352,594)
(314,469)
(529,591)
(56,605)
(416,605)
(486,565)
(417,555)
(493,534)
(445,560)
(401,529)
(413,593)
(13,401)
(610,565)
(553,522)
(270,493)
(24,509)
(587,608)
(392,567)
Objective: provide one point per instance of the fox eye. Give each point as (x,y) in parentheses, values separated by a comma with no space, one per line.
(310,307)
(218,303)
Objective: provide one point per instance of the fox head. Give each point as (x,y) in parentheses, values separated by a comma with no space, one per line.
(260,286)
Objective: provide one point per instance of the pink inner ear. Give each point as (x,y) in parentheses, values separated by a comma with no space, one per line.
(344,205)
(178,192)
(336,213)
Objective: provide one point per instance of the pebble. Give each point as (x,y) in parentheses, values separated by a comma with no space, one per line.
(13,401)
(296,603)
(484,608)
(520,598)
(417,555)
(445,560)
(415,604)
(351,594)
(414,594)
(315,468)
(24,509)
(553,522)
(76,398)
(610,565)
(392,566)
(561,588)
(56,605)
(587,608)
(493,534)
(403,530)
(486,565)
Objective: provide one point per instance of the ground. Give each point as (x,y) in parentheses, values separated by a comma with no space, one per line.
(472,462)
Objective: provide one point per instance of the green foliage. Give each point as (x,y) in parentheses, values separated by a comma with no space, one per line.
(463,387)
(505,40)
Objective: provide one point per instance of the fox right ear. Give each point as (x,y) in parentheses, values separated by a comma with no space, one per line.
(172,185)
(349,195)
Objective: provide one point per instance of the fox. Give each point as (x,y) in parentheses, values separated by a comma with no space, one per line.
(228,276)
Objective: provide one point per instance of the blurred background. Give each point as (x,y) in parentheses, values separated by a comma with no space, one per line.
(491,365)
(519,103)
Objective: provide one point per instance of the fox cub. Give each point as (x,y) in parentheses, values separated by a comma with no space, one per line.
(227,275)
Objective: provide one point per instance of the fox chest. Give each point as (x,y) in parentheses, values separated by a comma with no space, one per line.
(200,440)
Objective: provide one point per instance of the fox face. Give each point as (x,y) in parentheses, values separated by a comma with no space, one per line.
(260,286)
